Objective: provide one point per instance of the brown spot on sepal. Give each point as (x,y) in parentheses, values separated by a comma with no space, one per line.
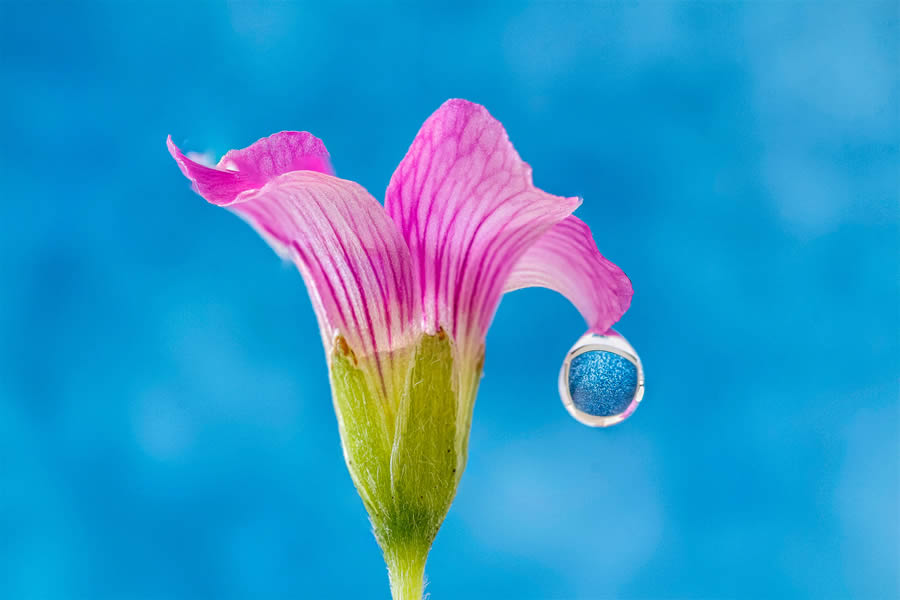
(341,345)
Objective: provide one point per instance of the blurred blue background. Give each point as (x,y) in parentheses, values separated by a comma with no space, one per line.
(166,429)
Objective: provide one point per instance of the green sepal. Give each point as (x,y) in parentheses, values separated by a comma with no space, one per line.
(404,423)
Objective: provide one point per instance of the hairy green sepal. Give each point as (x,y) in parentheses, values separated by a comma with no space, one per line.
(404,423)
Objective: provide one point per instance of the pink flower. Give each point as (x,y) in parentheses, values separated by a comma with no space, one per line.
(461,224)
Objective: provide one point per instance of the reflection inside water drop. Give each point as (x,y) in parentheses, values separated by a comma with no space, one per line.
(601,381)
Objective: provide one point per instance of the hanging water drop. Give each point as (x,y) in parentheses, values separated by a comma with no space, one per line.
(601,381)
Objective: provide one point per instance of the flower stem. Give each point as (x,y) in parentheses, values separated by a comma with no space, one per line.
(407,572)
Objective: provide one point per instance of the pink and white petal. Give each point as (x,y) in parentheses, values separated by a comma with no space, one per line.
(280,153)
(250,168)
(354,262)
(466,205)
(566,259)
(349,252)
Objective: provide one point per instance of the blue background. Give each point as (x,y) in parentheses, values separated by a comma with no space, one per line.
(166,430)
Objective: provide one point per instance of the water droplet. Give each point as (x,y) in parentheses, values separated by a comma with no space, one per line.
(601,381)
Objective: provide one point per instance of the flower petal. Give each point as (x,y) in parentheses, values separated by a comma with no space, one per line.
(279,153)
(250,168)
(466,205)
(566,260)
(356,265)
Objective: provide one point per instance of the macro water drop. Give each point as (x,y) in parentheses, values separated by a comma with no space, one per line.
(601,381)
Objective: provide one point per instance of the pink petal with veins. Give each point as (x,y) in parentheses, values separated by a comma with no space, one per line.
(252,167)
(565,259)
(466,205)
(354,262)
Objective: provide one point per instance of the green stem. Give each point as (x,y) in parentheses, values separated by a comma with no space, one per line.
(407,573)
